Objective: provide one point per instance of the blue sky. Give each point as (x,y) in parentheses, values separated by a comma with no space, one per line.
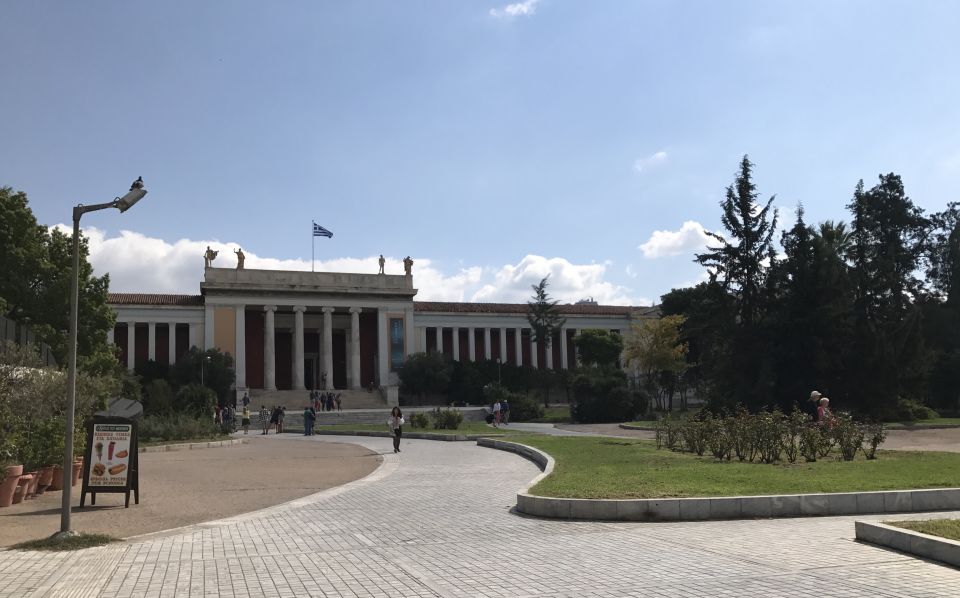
(493,142)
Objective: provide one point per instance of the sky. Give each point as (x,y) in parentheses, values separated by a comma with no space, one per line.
(493,142)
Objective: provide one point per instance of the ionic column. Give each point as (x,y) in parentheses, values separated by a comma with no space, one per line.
(240,359)
(503,345)
(208,327)
(456,344)
(548,353)
(518,345)
(131,344)
(383,347)
(171,343)
(408,333)
(423,339)
(355,381)
(487,352)
(152,341)
(328,346)
(269,348)
(563,348)
(298,347)
(472,341)
(440,340)
(533,350)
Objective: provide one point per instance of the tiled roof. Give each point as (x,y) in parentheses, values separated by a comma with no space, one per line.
(521,308)
(153,299)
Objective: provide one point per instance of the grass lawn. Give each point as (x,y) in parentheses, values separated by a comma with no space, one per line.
(595,467)
(554,415)
(945,528)
(937,421)
(465,428)
(74,542)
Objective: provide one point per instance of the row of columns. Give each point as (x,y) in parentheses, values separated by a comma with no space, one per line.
(152,340)
(488,346)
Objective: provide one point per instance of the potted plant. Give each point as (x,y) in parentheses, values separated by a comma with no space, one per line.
(10,471)
(21,490)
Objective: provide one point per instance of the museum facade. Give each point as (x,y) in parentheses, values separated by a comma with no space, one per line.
(294,330)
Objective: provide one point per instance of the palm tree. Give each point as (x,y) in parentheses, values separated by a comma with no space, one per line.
(836,238)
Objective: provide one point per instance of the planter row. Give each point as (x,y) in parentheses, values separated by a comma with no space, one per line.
(18,486)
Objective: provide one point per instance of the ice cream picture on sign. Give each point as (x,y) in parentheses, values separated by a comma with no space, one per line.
(111,471)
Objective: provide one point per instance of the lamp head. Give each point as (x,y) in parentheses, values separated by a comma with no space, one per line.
(127,201)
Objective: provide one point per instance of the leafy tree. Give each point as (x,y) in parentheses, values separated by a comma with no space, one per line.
(545,323)
(425,373)
(943,271)
(654,346)
(196,400)
(218,374)
(598,347)
(35,270)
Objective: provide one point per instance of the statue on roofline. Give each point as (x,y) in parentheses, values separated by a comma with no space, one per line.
(408,266)
(209,256)
(240,258)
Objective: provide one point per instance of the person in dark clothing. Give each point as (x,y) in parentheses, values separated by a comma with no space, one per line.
(395,423)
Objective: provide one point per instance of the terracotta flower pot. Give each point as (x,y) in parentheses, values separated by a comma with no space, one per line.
(32,486)
(9,484)
(22,487)
(77,468)
(57,482)
(46,478)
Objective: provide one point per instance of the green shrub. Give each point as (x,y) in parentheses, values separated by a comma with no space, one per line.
(603,396)
(523,407)
(419,420)
(446,419)
(847,434)
(197,400)
(176,426)
(158,397)
(875,435)
(909,410)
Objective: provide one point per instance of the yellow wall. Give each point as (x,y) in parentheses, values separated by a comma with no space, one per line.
(225,329)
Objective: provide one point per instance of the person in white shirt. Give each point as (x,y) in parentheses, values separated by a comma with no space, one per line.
(396,426)
(496,414)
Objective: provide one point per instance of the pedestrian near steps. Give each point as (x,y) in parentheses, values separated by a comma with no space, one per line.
(395,423)
(264,418)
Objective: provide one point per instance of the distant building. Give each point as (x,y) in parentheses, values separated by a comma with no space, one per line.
(285,328)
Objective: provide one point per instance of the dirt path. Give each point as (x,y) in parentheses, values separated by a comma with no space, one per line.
(185,487)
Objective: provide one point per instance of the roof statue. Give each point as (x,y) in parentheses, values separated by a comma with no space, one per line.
(240,258)
(407,266)
(208,257)
(381,262)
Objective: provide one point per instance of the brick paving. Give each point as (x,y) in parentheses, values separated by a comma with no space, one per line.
(435,521)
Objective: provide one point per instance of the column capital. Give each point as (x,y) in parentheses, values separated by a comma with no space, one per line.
(356,310)
(299,308)
(269,308)
(327,310)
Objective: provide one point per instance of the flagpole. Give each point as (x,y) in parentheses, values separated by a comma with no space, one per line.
(313,244)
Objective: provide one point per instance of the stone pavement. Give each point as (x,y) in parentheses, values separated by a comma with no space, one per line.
(434,521)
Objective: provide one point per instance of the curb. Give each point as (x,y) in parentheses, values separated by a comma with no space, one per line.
(719,507)
(909,541)
(645,428)
(412,435)
(191,446)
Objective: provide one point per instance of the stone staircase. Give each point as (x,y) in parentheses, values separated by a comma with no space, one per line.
(296,400)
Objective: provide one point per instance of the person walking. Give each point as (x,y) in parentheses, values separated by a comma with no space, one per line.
(282,414)
(339,404)
(395,423)
(245,421)
(275,418)
(505,411)
(308,418)
(264,418)
(823,413)
(496,413)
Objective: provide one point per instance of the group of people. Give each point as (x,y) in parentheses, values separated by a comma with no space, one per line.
(325,401)
(270,418)
(822,415)
(501,413)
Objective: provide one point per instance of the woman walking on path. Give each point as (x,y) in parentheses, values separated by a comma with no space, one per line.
(496,414)
(245,414)
(395,423)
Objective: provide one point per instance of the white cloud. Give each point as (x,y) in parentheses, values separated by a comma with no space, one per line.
(568,282)
(663,243)
(645,164)
(138,263)
(519,9)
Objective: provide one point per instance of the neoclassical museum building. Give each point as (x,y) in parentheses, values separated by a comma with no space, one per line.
(291,330)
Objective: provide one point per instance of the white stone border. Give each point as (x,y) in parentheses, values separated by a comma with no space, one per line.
(406,435)
(192,446)
(909,541)
(719,507)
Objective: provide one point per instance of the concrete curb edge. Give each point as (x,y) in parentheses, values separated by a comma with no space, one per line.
(192,446)
(719,507)
(909,541)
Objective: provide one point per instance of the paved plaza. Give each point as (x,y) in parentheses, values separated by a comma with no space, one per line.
(435,520)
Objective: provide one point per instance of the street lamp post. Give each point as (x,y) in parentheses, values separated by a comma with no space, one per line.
(498,371)
(123,204)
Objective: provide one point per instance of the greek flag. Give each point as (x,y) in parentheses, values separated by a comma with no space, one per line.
(319,231)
